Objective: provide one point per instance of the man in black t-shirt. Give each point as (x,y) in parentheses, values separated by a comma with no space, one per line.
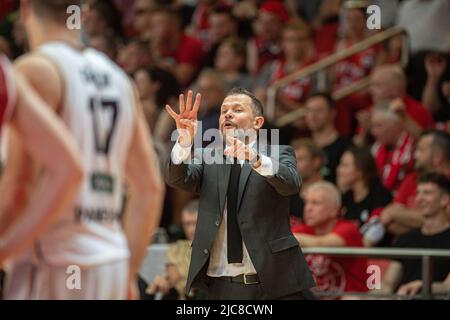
(320,116)
(433,200)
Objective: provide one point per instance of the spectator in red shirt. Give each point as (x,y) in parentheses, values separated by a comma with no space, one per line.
(266,45)
(177,51)
(433,200)
(359,65)
(324,228)
(393,147)
(326,27)
(355,67)
(432,154)
(298,53)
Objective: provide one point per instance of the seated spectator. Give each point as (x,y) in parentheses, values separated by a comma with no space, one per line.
(171,285)
(432,154)
(355,30)
(388,84)
(310,160)
(142,12)
(266,45)
(324,228)
(320,114)
(433,199)
(326,27)
(200,22)
(437,67)
(99,17)
(364,195)
(230,61)
(182,54)
(222,25)
(211,85)
(355,67)
(393,147)
(133,55)
(297,54)
(157,87)
(105,42)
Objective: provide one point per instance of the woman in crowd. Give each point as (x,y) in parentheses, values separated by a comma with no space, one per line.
(364,195)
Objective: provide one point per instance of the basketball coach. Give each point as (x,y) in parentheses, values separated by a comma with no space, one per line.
(243,247)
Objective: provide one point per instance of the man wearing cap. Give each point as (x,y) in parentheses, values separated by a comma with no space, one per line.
(266,45)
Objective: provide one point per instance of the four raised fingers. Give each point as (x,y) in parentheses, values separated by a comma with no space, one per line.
(181,103)
(196,106)
(189,101)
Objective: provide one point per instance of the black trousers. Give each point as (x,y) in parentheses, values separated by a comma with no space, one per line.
(224,290)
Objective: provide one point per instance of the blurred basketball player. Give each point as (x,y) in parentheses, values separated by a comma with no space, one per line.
(91,252)
(50,144)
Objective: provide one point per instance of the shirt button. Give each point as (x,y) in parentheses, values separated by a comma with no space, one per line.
(205,251)
(217,223)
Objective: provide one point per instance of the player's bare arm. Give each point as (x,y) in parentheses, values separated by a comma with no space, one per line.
(50,144)
(146,192)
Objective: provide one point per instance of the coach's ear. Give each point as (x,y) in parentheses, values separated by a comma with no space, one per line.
(258,122)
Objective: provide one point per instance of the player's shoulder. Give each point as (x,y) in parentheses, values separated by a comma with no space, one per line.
(36,64)
(7,88)
(5,67)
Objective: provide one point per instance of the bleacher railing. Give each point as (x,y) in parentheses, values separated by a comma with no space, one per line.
(328,61)
(426,255)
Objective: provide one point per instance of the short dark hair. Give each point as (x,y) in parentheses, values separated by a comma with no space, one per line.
(309,145)
(256,104)
(440,180)
(441,141)
(365,163)
(56,9)
(222,9)
(168,84)
(326,96)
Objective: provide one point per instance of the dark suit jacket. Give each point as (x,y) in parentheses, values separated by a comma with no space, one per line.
(263,217)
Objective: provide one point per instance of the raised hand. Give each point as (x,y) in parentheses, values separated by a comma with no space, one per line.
(239,150)
(186,120)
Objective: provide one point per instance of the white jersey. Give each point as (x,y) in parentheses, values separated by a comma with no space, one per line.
(98,109)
